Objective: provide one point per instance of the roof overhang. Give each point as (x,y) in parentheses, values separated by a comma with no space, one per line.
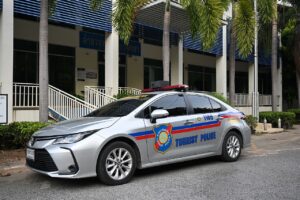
(152,15)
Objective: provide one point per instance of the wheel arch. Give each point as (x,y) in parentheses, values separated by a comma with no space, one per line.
(236,130)
(127,140)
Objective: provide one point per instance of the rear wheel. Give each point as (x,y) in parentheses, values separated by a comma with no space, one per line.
(116,163)
(232,148)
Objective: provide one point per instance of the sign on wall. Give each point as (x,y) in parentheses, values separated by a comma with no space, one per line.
(3,109)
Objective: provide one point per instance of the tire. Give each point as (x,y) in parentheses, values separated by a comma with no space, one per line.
(232,147)
(113,169)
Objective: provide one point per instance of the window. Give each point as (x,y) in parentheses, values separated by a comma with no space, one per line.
(174,104)
(200,104)
(216,106)
(120,108)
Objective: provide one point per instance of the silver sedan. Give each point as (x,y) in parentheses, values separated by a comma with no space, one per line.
(152,129)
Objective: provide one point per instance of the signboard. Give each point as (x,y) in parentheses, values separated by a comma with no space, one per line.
(3,109)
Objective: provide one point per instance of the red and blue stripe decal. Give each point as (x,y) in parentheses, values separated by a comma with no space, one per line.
(178,130)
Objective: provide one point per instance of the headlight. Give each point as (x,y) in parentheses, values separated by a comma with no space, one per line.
(73,138)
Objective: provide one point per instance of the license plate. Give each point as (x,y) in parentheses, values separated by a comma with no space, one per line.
(30,154)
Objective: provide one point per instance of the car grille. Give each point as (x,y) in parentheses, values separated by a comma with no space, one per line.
(43,161)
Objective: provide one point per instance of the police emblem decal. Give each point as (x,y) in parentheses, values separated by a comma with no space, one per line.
(163,138)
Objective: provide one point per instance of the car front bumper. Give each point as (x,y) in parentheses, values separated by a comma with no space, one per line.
(78,160)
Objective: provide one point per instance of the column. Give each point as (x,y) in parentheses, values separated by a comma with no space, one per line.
(221,67)
(177,63)
(6,53)
(112,61)
(251,77)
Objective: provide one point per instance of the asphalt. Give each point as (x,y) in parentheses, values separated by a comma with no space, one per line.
(269,169)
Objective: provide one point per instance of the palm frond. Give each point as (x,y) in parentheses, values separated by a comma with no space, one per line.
(123,16)
(95,4)
(205,19)
(51,7)
(266,10)
(244,27)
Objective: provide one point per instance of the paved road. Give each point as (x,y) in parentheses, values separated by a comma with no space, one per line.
(270,169)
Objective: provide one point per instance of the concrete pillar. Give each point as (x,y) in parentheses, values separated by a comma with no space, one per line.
(221,67)
(6,53)
(177,63)
(251,77)
(112,61)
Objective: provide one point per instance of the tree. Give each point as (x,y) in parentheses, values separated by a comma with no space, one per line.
(268,14)
(205,18)
(296,48)
(241,37)
(46,7)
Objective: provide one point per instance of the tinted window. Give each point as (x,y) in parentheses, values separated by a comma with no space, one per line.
(216,106)
(174,104)
(200,104)
(120,108)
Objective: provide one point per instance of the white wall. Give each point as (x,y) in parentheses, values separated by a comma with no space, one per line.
(6,53)
(25,115)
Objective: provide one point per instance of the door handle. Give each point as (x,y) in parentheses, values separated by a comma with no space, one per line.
(188,122)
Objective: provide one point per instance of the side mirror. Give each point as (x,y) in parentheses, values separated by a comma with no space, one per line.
(158,114)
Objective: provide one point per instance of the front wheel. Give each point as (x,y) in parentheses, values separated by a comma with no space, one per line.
(231,149)
(116,164)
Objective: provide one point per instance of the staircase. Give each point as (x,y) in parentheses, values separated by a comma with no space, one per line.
(63,106)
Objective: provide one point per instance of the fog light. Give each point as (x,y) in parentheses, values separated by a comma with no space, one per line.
(73,169)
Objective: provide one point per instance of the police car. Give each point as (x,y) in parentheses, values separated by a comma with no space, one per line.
(161,126)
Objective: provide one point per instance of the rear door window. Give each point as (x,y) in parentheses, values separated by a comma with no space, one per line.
(200,104)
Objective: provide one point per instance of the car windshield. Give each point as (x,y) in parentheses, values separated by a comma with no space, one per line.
(121,107)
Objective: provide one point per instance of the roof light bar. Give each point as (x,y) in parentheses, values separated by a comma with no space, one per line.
(180,87)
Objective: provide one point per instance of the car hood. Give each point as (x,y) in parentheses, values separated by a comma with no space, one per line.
(77,126)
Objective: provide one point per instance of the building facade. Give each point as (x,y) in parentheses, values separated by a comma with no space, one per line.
(85,50)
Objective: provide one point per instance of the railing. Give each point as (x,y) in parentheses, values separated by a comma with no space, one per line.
(101,89)
(265,100)
(97,96)
(243,100)
(25,95)
(129,90)
(66,105)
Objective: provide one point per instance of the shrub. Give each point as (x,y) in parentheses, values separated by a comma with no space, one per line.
(252,122)
(123,94)
(287,118)
(16,134)
(220,97)
(297,113)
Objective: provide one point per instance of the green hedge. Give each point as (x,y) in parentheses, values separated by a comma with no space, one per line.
(15,135)
(297,113)
(287,118)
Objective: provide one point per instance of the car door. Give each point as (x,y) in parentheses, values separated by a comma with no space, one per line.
(162,143)
(207,125)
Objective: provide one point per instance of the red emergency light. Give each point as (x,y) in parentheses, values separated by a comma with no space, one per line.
(180,87)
